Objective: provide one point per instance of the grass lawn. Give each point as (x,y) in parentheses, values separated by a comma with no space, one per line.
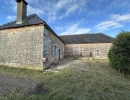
(99,82)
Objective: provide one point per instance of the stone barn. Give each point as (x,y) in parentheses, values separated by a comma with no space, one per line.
(29,42)
(87,45)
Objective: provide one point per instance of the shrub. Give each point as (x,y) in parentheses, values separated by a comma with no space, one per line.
(119,54)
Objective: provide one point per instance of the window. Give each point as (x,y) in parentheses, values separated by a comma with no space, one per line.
(54,49)
(97,53)
(91,54)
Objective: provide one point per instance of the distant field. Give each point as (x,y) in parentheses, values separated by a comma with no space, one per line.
(98,82)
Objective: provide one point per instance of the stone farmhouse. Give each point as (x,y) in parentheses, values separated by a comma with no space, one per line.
(29,42)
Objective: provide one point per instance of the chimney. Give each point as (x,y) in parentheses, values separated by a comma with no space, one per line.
(21,11)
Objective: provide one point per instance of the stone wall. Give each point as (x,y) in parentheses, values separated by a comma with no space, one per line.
(89,50)
(50,40)
(22,47)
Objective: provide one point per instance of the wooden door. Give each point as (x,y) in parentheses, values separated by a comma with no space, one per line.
(76,51)
(59,54)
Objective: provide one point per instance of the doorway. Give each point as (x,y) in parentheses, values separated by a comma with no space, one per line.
(76,51)
(59,54)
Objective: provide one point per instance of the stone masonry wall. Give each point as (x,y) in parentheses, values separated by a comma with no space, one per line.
(88,50)
(51,40)
(22,47)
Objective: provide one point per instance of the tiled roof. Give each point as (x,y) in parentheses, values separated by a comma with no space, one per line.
(30,20)
(86,38)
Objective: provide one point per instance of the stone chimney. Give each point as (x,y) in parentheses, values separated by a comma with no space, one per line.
(21,11)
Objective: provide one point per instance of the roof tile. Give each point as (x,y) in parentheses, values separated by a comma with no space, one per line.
(86,38)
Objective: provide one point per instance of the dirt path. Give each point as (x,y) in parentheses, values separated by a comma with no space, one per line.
(23,85)
(72,64)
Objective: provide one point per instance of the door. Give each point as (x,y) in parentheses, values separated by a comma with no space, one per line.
(76,51)
(59,54)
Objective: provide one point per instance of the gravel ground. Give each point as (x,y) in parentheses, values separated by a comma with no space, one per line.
(71,63)
(21,84)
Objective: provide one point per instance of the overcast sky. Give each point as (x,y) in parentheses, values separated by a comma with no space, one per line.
(75,16)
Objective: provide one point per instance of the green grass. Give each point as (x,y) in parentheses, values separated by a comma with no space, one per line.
(99,82)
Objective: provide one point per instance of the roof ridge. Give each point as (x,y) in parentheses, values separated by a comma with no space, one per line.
(82,34)
(40,19)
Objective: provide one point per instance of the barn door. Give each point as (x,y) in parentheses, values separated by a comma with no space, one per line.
(76,51)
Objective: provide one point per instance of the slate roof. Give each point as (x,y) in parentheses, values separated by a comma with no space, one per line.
(32,19)
(86,38)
